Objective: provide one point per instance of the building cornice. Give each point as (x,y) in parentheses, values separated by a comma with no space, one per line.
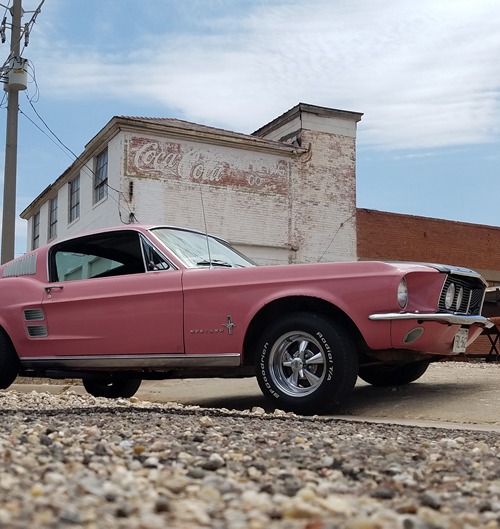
(304,108)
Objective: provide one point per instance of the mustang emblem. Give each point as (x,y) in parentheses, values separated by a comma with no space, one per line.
(229,325)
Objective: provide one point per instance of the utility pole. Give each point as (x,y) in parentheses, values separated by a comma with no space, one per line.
(9,186)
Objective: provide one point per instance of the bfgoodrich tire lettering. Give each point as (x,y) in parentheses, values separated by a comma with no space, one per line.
(9,361)
(306,363)
(111,388)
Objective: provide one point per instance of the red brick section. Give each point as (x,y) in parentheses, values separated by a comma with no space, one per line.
(392,236)
(382,235)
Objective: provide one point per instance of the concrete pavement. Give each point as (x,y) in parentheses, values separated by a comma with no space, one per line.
(452,394)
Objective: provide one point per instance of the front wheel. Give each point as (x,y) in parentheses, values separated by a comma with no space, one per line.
(111,388)
(306,363)
(392,375)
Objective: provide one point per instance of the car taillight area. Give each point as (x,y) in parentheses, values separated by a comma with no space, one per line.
(462,294)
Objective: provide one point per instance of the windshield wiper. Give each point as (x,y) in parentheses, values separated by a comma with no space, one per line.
(214,262)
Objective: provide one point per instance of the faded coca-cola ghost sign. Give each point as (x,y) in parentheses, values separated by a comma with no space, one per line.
(220,167)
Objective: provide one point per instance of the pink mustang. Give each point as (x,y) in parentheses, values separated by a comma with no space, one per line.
(131,303)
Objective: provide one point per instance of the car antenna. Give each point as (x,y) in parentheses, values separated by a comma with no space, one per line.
(205,223)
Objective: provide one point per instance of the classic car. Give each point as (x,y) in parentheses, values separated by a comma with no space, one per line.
(120,305)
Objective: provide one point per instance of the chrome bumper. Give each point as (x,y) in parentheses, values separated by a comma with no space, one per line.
(449,319)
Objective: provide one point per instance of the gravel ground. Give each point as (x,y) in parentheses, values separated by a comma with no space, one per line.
(70,461)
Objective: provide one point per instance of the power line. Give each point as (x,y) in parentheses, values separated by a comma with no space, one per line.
(74,157)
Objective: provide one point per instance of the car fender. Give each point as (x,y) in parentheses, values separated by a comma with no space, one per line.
(12,318)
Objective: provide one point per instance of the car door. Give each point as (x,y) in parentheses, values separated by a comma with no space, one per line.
(104,302)
(124,315)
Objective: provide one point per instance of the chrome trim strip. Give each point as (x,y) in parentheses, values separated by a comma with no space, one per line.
(451,319)
(145,361)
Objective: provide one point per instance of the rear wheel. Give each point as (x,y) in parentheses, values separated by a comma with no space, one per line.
(306,364)
(9,361)
(111,388)
(391,374)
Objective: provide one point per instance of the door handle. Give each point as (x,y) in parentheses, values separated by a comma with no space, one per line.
(50,288)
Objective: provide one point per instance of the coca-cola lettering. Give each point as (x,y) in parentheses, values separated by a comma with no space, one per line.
(184,162)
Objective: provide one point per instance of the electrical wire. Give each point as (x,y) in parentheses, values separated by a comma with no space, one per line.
(31,72)
(341,225)
(74,157)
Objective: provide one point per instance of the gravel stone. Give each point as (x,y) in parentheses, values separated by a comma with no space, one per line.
(78,462)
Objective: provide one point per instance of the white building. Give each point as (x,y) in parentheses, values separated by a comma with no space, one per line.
(285,194)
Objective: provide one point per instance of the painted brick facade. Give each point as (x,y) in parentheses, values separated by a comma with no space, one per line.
(285,194)
(230,191)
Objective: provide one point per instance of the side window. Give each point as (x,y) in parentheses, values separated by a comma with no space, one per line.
(72,265)
(96,256)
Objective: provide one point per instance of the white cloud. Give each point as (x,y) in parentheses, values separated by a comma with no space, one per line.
(425,74)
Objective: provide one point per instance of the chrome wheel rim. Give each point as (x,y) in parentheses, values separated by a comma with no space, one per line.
(297,364)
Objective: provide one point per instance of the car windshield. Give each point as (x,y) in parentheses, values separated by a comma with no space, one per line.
(196,250)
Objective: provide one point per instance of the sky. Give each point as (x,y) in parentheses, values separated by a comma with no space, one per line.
(425,75)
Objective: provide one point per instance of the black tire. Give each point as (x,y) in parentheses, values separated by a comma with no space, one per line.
(111,388)
(9,361)
(306,363)
(391,374)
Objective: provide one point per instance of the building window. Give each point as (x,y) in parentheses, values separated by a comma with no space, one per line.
(35,232)
(53,218)
(74,199)
(101,177)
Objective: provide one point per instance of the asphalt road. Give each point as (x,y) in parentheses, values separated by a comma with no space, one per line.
(452,394)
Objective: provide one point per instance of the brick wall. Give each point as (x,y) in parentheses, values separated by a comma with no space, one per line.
(393,236)
(324,199)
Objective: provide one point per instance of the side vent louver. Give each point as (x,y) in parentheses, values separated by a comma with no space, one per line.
(33,315)
(37,331)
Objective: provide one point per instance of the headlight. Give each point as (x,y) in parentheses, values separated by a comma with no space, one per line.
(450,296)
(403,293)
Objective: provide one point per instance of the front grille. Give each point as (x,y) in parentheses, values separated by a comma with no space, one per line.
(473,294)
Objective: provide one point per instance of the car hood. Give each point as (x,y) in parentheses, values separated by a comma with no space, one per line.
(450,269)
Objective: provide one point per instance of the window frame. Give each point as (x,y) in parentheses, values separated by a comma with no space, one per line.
(74,200)
(101,177)
(53,207)
(35,231)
